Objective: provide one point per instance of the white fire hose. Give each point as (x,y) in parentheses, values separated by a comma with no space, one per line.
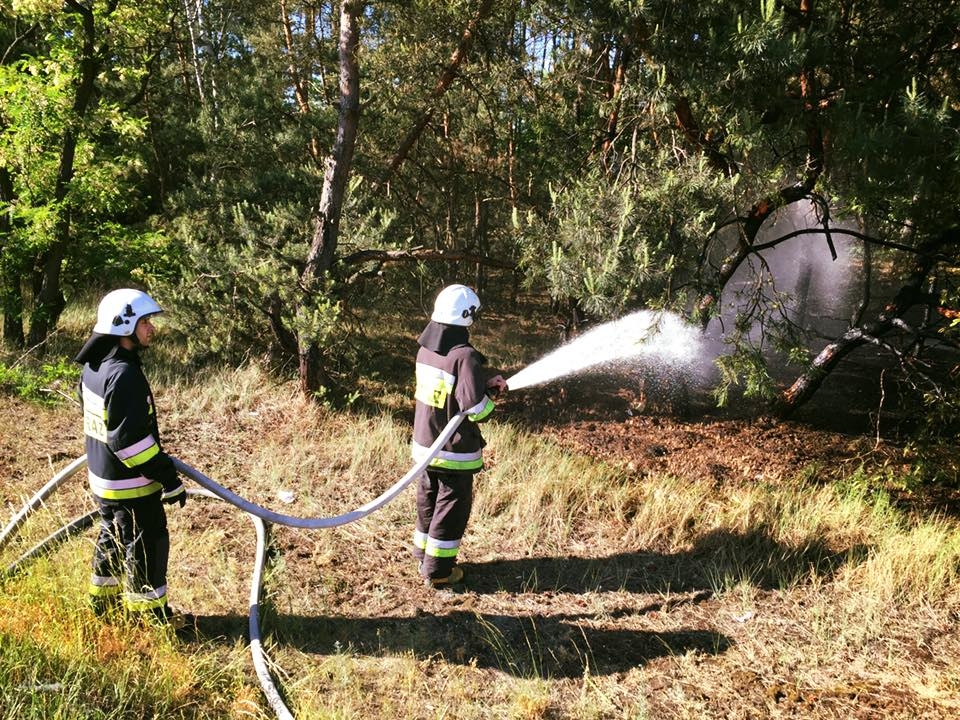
(261,518)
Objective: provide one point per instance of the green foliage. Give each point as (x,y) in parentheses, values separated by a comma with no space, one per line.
(69,179)
(597,252)
(202,161)
(45,382)
(316,319)
(622,242)
(235,310)
(744,367)
(219,311)
(939,426)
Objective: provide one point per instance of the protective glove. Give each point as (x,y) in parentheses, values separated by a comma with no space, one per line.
(177,495)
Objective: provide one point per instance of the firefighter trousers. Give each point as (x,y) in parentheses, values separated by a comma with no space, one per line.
(131,555)
(444,500)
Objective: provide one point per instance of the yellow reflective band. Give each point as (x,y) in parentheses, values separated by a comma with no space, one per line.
(129,494)
(441,552)
(137,602)
(446,460)
(100,485)
(457,464)
(442,548)
(103,590)
(141,605)
(434,386)
(142,457)
(484,411)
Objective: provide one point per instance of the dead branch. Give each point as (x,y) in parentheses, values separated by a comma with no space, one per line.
(887,321)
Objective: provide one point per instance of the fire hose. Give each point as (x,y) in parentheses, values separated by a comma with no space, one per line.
(262,517)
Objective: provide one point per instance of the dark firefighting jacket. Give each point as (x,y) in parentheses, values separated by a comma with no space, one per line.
(450,379)
(124,456)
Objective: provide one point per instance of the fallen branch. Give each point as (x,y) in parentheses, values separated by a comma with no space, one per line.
(890,319)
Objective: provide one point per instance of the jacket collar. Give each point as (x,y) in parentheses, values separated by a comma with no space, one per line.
(441,338)
(99,347)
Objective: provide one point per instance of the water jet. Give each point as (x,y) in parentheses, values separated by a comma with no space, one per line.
(655,338)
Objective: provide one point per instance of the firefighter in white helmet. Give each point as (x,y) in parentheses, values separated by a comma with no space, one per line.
(451,378)
(130,475)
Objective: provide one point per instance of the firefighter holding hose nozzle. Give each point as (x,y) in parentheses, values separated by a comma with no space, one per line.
(451,378)
(130,475)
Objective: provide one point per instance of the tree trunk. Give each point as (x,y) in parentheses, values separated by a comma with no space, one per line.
(50,302)
(327,222)
(443,84)
(204,55)
(11,292)
(634,35)
(301,89)
(12,309)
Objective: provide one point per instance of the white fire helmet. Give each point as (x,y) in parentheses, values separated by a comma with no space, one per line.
(456,305)
(120,310)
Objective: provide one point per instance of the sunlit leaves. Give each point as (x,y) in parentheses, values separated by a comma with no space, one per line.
(36,8)
(71,140)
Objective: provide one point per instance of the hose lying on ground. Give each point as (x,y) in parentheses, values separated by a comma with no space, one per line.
(261,518)
(329,522)
(257,653)
(41,495)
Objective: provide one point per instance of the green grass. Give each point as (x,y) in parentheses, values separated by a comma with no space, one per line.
(39,381)
(58,661)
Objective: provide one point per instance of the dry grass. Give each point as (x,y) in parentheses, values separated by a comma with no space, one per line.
(593,593)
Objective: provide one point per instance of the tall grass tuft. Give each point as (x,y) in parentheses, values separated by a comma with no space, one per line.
(57,660)
(916,565)
(543,494)
(768,536)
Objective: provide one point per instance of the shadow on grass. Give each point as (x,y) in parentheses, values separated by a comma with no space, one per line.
(528,645)
(581,636)
(564,645)
(555,646)
(717,561)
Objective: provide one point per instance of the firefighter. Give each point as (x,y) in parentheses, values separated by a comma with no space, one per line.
(451,378)
(130,475)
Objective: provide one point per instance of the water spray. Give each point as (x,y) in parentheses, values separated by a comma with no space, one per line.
(657,338)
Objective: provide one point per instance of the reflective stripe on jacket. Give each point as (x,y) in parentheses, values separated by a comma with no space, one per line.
(447,385)
(124,457)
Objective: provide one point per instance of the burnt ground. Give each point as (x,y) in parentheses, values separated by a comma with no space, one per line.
(859,419)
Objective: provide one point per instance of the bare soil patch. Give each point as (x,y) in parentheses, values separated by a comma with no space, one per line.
(614,421)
